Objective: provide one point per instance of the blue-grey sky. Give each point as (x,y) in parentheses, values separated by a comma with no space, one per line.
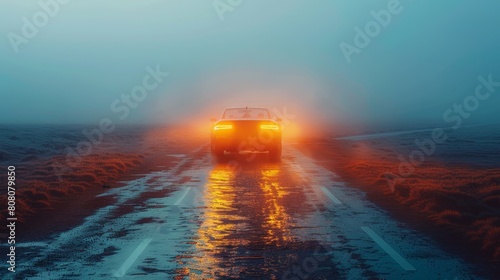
(268,53)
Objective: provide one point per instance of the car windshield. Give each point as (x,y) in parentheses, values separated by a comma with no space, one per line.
(246,113)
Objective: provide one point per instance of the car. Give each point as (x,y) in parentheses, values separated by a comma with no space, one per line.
(246,129)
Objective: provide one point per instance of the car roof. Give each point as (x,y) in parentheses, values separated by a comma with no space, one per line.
(259,108)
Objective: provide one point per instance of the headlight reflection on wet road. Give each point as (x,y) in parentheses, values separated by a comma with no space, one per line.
(277,222)
(213,234)
(244,218)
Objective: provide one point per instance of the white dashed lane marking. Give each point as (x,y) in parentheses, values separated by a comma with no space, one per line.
(331,196)
(388,249)
(178,201)
(131,259)
(138,251)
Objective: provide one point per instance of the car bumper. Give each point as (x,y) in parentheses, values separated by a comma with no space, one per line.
(251,143)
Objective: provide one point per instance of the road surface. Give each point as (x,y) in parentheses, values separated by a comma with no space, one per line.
(243,218)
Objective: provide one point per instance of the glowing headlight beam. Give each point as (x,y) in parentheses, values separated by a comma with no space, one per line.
(223,126)
(269,126)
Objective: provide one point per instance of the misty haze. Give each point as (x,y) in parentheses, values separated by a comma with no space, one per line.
(238,139)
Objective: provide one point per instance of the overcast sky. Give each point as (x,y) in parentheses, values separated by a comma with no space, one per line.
(268,53)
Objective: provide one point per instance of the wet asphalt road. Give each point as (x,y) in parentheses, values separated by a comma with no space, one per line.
(245,218)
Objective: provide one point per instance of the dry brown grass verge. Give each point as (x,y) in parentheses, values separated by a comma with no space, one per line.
(464,201)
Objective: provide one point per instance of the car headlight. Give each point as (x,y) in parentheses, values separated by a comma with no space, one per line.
(269,126)
(223,126)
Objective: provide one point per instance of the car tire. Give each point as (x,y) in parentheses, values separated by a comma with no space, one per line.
(275,153)
(218,154)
